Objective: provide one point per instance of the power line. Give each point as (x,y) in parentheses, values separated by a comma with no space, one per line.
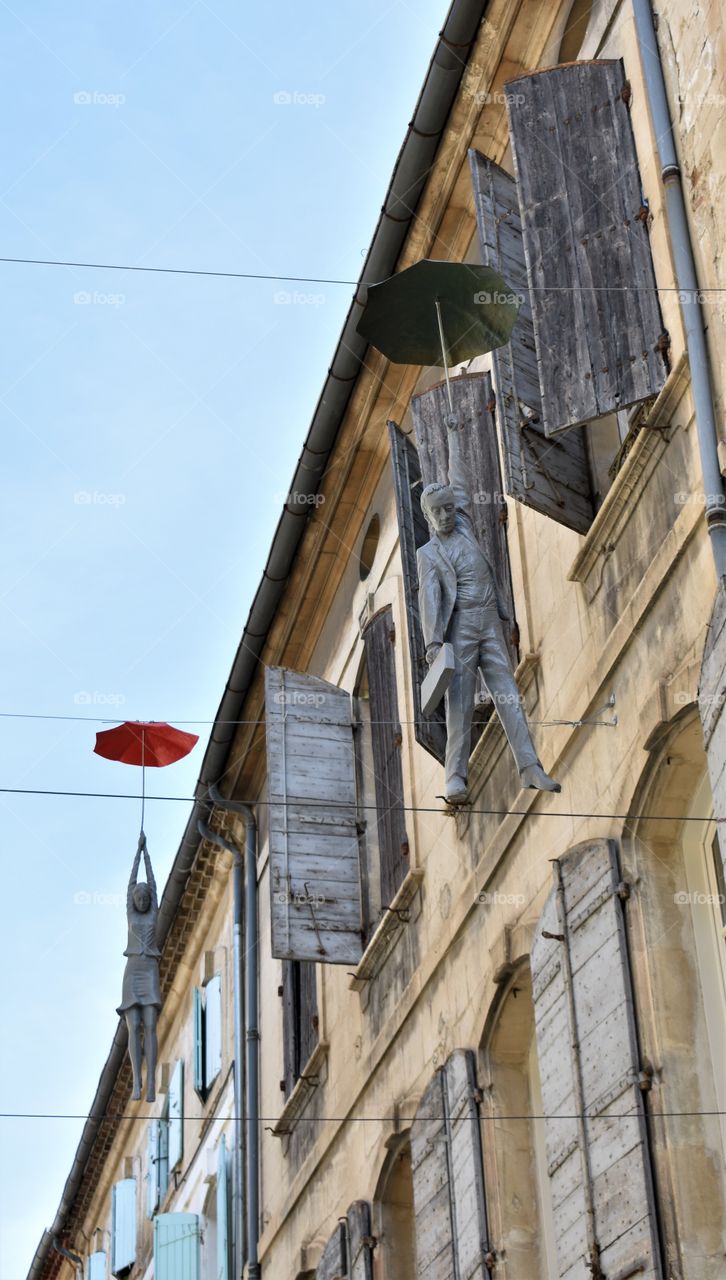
(407,808)
(27,715)
(143,1119)
(175,271)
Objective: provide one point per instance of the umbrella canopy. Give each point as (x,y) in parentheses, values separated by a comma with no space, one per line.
(153,744)
(476,311)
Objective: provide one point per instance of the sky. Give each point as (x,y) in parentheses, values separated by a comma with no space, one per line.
(150,427)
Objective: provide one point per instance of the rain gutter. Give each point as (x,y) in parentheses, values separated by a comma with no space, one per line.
(410,174)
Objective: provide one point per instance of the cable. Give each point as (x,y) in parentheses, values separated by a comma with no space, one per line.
(406,808)
(174,271)
(26,715)
(143,1119)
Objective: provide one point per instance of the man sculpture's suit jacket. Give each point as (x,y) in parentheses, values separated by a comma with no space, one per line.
(436,573)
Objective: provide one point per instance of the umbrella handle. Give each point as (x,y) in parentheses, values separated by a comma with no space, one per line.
(444,354)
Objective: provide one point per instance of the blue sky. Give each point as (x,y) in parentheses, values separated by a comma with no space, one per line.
(151,425)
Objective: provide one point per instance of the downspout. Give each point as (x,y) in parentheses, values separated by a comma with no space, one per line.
(687,282)
(238,1017)
(252,1031)
(72,1257)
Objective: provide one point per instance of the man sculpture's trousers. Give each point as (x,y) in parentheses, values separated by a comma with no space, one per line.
(478,642)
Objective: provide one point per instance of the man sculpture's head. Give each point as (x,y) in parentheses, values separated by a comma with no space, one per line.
(439,506)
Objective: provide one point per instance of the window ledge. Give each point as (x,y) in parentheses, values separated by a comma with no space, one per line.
(308,1081)
(387,931)
(617,508)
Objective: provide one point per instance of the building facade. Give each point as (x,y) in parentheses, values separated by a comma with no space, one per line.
(491,1039)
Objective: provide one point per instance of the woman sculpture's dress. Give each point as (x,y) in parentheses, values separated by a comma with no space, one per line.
(141,993)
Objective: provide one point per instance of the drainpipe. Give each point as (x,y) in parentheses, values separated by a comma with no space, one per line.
(72,1257)
(687,282)
(252,1031)
(238,1017)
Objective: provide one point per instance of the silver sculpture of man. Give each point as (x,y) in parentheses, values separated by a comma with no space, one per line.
(141,994)
(460,602)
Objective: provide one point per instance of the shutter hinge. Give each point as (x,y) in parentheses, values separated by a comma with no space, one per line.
(315,1021)
(623,890)
(556,937)
(477,1095)
(626,93)
(643,214)
(504,515)
(490,1258)
(369,1242)
(663,343)
(491,405)
(282,1086)
(280,991)
(645,1079)
(405,848)
(392,634)
(398,739)
(361,826)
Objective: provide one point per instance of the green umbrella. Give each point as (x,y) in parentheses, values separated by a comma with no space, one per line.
(437,311)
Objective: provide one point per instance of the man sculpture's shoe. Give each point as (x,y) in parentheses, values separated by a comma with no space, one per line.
(457,791)
(534,777)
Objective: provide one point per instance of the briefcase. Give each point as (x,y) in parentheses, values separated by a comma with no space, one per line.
(438,679)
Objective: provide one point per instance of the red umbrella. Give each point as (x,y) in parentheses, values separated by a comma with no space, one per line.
(151,743)
(154,743)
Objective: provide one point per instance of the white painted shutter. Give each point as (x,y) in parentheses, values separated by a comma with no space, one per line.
(212,1030)
(176,1246)
(333,1265)
(314,853)
(452,1236)
(123,1226)
(152,1169)
(223,1234)
(597,321)
(198,1033)
(360,1243)
(551,476)
(176,1114)
(96,1269)
(589,1067)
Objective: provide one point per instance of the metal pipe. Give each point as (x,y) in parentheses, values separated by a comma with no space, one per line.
(687,282)
(221,842)
(252,1029)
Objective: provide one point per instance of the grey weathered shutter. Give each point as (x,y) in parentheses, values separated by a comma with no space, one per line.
(360,1242)
(96,1269)
(333,1263)
(472,397)
(552,476)
(452,1235)
(597,321)
(176,1246)
(387,740)
(152,1169)
(308,1005)
(198,1033)
(598,1159)
(176,1114)
(299,1018)
(212,1030)
(223,1241)
(123,1226)
(290,1051)
(314,860)
(413,533)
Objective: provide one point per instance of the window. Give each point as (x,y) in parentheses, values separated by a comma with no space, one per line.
(207,1005)
(299,1019)
(123,1226)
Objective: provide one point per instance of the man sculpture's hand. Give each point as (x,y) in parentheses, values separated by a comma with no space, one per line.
(432,653)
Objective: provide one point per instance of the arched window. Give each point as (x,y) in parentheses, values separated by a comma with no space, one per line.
(394,1216)
(514,1145)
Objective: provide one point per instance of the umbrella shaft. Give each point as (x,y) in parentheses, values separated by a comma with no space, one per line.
(444,355)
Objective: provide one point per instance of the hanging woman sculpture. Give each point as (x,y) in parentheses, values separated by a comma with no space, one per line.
(141,994)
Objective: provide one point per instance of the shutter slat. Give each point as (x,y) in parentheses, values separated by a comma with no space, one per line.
(212,1029)
(176,1246)
(314,863)
(551,476)
(123,1228)
(594,300)
(595,1059)
(413,533)
(386,743)
(176,1114)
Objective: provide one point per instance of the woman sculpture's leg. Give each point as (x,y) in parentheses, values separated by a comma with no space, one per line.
(133,1023)
(151,1014)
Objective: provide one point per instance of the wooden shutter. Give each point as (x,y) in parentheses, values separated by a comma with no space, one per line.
(387,741)
(452,1234)
(413,533)
(473,397)
(333,1264)
(163,1165)
(212,1030)
(198,1032)
(552,476)
(589,1067)
(176,1246)
(123,1226)
(290,1050)
(314,861)
(223,1241)
(299,1018)
(96,1269)
(360,1241)
(176,1114)
(597,321)
(152,1169)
